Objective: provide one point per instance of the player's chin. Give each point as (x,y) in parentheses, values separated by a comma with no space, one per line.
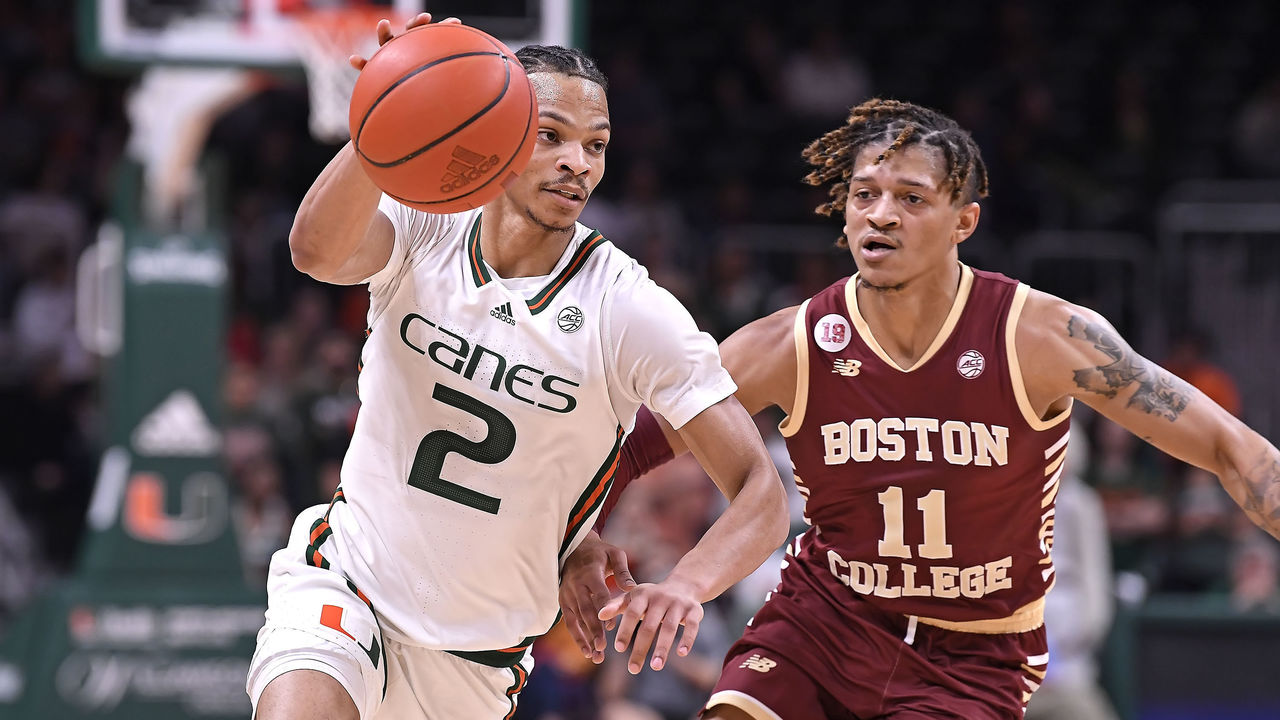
(555,217)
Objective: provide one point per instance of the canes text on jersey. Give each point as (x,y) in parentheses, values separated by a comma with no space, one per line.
(456,354)
(895,439)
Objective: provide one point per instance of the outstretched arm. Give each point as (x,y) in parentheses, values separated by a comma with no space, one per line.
(1066,350)
(726,442)
(761,359)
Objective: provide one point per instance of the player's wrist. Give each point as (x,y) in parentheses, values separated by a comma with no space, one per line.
(694,585)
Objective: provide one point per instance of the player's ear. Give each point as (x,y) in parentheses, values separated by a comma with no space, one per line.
(966,221)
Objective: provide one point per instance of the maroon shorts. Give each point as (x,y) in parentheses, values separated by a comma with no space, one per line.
(803,658)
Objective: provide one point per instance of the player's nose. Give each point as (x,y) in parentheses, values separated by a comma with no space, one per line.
(573,159)
(883,213)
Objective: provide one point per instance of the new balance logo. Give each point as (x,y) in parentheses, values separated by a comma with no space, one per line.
(503,313)
(759,664)
(177,427)
(465,167)
(847,368)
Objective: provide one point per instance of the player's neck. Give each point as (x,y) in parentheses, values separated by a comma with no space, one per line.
(516,246)
(907,318)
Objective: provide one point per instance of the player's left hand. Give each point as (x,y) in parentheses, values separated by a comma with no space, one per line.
(584,590)
(651,614)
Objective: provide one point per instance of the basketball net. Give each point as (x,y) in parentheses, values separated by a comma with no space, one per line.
(325,39)
(171,111)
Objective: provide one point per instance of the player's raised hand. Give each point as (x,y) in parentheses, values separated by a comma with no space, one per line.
(584,590)
(651,614)
(385,34)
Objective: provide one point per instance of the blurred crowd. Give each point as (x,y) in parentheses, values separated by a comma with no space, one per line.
(1084,122)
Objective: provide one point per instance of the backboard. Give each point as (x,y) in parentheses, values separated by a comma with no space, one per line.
(133,34)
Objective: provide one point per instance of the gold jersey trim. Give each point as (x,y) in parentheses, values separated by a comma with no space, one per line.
(744,702)
(1024,619)
(800,332)
(1015,368)
(953,317)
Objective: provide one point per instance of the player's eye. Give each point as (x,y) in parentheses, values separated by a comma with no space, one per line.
(548,135)
(598,146)
(863,195)
(914,199)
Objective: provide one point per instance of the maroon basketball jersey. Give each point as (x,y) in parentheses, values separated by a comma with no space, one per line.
(930,489)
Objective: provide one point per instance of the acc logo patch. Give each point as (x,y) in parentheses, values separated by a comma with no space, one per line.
(570,319)
(832,333)
(971,364)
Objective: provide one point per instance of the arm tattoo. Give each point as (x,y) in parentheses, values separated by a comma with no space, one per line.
(1262,488)
(1159,392)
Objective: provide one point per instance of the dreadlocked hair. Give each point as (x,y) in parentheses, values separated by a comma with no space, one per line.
(901,124)
(562,60)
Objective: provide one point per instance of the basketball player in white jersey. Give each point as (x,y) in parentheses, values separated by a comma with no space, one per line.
(508,351)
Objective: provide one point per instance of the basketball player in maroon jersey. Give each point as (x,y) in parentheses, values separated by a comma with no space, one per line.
(927,406)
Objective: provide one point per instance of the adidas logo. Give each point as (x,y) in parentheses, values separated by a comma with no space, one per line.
(177,427)
(465,167)
(503,313)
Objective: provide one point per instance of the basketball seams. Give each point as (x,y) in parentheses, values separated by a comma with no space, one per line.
(506,85)
(496,176)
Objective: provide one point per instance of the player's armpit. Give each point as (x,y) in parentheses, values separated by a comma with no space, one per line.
(761,358)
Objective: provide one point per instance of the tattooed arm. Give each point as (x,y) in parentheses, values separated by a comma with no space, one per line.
(1067,351)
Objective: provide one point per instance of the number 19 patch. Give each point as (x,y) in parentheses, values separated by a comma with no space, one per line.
(832,333)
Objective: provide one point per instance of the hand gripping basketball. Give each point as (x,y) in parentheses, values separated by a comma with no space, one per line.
(442,116)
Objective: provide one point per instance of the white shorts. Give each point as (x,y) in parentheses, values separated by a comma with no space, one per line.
(318,620)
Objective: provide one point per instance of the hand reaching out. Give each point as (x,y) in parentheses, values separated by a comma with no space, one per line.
(584,590)
(651,614)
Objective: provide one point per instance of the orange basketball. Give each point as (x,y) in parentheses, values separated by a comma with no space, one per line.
(443,117)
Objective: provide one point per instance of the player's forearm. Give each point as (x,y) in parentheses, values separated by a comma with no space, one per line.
(1252,476)
(749,530)
(334,216)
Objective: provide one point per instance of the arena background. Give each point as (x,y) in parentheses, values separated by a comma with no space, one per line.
(172,390)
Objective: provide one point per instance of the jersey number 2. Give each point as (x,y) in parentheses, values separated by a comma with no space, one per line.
(496,447)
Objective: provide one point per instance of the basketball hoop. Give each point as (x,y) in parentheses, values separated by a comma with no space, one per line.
(325,39)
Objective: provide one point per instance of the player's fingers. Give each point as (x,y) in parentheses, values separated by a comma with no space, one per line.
(644,636)
(384,31)
(691,624)
(451,21)
(662,645)
(418,20)
(614,608)
(357,62)
(627,622)
(574,622)
(621,573)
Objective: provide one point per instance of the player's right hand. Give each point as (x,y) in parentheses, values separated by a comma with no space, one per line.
(652,614)
(384,34)
(584,590)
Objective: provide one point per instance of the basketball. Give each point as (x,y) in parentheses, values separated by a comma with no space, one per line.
(443,117)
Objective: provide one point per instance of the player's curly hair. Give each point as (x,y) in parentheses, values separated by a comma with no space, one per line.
(566,61)
(900,124)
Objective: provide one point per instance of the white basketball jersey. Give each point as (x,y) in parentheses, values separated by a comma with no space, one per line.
(490,427)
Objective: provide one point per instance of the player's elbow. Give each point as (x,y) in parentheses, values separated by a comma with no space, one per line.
(306,253)
(775,511)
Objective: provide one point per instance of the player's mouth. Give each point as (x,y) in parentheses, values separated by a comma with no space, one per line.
(877,247)
(572,195)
